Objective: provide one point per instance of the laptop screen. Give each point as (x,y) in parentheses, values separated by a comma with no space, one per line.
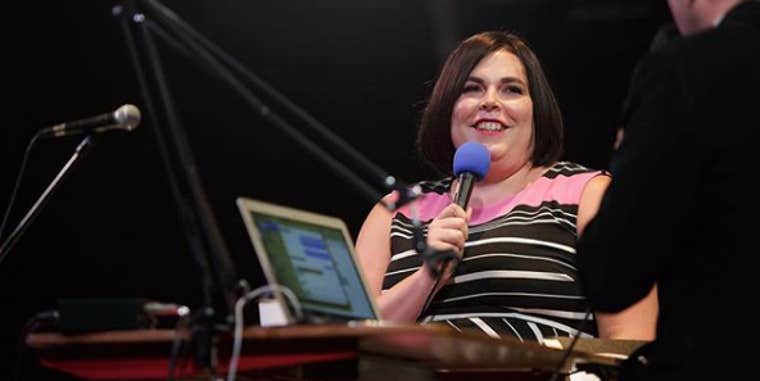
(311,254)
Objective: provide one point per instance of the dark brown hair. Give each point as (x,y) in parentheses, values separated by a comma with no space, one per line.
(434,135)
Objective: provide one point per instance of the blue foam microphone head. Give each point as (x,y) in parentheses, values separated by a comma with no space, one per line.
(471,163)
(472,157)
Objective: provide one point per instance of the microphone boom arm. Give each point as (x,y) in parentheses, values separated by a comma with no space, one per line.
(217,62)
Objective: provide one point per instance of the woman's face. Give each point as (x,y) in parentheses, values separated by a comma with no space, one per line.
(496,110)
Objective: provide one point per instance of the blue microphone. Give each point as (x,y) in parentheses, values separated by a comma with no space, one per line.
(471,163)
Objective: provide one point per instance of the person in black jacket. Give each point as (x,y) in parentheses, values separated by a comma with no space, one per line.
(680,211)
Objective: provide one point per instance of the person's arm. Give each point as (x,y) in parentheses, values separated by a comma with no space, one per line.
(637,322)
(655,171)
(404,301)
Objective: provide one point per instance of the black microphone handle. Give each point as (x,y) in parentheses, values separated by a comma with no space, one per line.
(465,184)
(440,260)
(101,120)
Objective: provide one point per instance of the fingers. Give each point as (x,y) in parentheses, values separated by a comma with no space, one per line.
(446,239)
(454,223)
(453,210)
(449,230)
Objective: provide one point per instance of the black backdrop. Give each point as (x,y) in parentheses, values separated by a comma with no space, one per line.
(363,68)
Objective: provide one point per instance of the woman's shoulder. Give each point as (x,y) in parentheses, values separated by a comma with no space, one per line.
(565,181)
(434,197)
(570,169)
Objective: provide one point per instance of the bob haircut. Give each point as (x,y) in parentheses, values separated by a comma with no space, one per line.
(434,134)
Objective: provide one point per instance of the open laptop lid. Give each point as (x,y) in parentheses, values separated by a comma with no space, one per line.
(311,254)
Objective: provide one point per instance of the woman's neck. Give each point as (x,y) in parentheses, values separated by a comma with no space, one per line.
(499,186)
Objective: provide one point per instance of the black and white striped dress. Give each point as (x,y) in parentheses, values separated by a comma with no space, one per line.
(518,275)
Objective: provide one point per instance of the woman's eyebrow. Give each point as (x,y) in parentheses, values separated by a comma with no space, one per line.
(501,81)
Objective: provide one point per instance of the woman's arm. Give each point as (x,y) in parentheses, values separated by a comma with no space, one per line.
(404,301)
(638,321)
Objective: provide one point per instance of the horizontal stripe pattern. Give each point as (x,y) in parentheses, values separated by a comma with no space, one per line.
(517,276)
(512,274)
(515,320)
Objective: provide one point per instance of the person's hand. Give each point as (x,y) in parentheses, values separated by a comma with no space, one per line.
(448,232)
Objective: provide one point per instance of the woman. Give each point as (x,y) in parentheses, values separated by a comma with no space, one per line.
(517,239)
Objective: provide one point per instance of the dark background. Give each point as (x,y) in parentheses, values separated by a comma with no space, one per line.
(363,68)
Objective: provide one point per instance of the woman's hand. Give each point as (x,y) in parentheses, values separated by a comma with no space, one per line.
(448,232)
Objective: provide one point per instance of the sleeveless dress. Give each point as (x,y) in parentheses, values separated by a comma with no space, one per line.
(517,276)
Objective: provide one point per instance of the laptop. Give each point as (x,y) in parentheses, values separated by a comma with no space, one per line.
(313,255)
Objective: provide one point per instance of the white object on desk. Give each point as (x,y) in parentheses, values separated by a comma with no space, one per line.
(271,313)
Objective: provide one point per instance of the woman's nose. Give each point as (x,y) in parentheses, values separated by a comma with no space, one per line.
(489,101)
(488,104)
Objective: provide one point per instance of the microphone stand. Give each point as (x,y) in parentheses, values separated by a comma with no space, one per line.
(80,152)
(141,20)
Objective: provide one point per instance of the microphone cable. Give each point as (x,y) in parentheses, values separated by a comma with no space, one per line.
(17,183)
(432,257)
(429,298)
(563,362)
(421,247)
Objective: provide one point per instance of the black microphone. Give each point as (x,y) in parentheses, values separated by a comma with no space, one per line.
(471,163)
(126,118)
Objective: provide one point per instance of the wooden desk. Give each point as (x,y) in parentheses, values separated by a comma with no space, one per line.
(378,352)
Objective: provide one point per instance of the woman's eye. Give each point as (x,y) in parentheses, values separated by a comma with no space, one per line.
(513,89)
(470,88)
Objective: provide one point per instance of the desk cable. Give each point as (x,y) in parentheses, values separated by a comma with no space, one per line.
(183,324)
(240,304)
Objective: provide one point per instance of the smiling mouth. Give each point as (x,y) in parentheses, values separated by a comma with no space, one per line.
(488,125)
